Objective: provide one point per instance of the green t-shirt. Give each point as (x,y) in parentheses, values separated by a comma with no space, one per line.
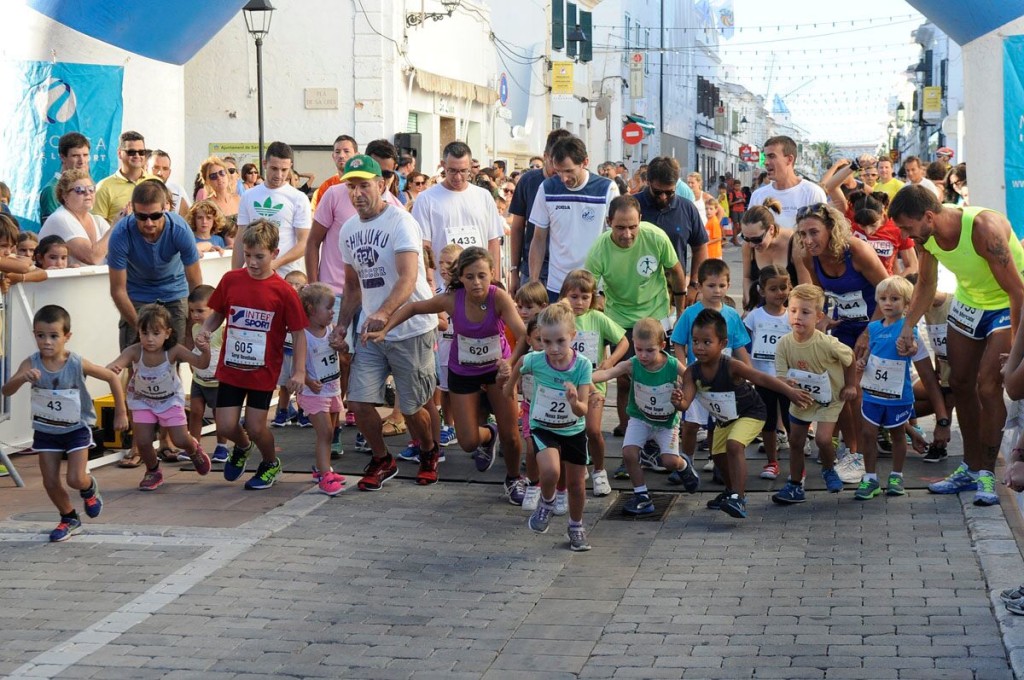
(650,393)
(593,330)
(635,285)
(48,200)
(549,409)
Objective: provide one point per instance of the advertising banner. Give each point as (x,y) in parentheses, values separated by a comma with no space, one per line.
(1013,112)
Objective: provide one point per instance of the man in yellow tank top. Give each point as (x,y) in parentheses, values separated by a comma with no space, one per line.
(980,248)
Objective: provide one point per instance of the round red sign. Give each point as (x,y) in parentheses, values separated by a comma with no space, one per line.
(632,133)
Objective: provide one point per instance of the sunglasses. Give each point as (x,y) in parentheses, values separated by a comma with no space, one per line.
(755,240)
(536,167)
(419,183)
(82,191)
(667,193)
(387,174)
(148,217)
(508,191)
(232,171)
(253,172)
(810,210)
(136,152)
(217,174)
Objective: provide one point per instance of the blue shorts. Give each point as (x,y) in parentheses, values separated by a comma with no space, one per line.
(848,332)
(991,321)
(886,415)
(76,440)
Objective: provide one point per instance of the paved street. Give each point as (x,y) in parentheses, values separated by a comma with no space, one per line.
(447,581)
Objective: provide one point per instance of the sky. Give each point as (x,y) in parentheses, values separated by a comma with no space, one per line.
(837,77)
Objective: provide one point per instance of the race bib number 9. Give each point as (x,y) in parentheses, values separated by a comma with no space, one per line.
(654,401)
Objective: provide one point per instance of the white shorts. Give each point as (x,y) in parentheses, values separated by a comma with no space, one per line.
(697,414)
(639,432)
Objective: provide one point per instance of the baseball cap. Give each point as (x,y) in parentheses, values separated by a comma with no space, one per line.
(361,167)
(944,151)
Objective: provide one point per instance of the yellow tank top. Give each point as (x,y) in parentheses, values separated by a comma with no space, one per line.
(975,285)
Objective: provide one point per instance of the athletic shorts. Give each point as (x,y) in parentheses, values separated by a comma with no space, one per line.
(410,361)
(696,414)
(470,384)
(205,392)
(742,430)
(639,432)
(233,396)
(886,415)
(172,417)
(572,448)
(966,320)
(848,332)
(314,403)
(69,442)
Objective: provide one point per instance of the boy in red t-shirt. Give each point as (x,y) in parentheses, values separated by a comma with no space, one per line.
(260,309)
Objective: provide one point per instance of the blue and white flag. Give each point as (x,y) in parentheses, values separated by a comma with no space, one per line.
(1013,112)
(725,18)
(56,98)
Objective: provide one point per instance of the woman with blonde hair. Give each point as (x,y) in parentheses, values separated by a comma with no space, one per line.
(219,186)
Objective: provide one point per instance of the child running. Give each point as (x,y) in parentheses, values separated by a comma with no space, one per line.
(723,386)
(593,331)
(767,323)
(204,380)
(558,408)
(653,375)
(155,393)
(320,398)
(63,415)
(259,308)
(478,311)
(446,261)
(285,414)
(888,391)
(532,496)
(824,368)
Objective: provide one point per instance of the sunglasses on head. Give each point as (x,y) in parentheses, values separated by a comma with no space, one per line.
(148,217)
(217,174)
(136,152)
(810,210)
(82,191)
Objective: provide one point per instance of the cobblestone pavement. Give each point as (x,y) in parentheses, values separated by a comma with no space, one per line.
(447,582)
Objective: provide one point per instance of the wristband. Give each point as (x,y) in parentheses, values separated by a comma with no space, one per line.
(943,422)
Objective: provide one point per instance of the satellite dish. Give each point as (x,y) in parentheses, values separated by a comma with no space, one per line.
(518,132)
(601,109)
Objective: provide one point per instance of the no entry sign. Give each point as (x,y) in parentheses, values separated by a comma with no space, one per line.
(632,133)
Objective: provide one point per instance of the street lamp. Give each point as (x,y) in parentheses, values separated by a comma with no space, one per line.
(257,21)
(417,18)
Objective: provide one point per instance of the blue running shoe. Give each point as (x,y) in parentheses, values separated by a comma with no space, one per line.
(484,455)
(541,518)
(687,477)
(959,480)
(411,453)
(639,504)
(266,475)
(790,494)
(92,499)
(281,418)
(734,506)
(67,526)
(361,445)
(220,454)
(448,436)
(985,495)
(832,481)
(235,464)
(868,489)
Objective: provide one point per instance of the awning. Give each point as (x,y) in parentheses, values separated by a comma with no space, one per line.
(648,126)
(431,82)
(963,22)
(709,143)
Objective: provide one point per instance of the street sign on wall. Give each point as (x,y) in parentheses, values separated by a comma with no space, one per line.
(636,75)
(632,133)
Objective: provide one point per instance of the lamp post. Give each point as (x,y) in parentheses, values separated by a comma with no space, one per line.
(257,21)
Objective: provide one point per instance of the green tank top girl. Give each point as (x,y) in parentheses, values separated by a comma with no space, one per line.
(650,393)
(975,285)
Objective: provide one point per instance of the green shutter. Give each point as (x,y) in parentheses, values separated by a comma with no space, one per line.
(587,26)
(570,25)
(557,25)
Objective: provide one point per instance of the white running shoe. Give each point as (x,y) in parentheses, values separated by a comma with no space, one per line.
(531,498)
(851,468)
(561,502)
(599,480)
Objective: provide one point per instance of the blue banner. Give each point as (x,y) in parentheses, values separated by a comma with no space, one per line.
(54,98)
(1013,112)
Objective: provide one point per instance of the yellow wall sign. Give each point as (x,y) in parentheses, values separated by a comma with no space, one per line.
(562,78)
(932,108)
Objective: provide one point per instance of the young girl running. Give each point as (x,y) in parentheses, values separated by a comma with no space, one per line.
(558,408)
(532,496)
(478,311)
(320,398)
(767,323)
(593,331)
(155,393)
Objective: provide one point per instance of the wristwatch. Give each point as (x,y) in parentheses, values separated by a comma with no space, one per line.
(943,422)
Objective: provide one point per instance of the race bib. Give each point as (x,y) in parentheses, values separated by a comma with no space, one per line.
(325,363)
(479,351)
(551,409)
(449,333)
(766,337)
(937,334)
(883,378)
(465,235)
(654,401)
(526,384)
(56,407)
(245,349)
(154,387)
(816,384)
(587,344)
(721,405)
(851,306)
(965,319)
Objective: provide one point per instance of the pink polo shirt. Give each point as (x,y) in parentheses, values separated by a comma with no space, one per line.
(333,210)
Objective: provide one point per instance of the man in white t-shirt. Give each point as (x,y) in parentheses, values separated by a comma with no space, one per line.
(281,203)
(160,166)
(784,185)
(569,212)
(915,175)
(456,211)
(382,251)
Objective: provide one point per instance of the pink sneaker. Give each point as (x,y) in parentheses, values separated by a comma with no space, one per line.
(152,480)
(770,471)
(331,483)
(200,460)
(350,419)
